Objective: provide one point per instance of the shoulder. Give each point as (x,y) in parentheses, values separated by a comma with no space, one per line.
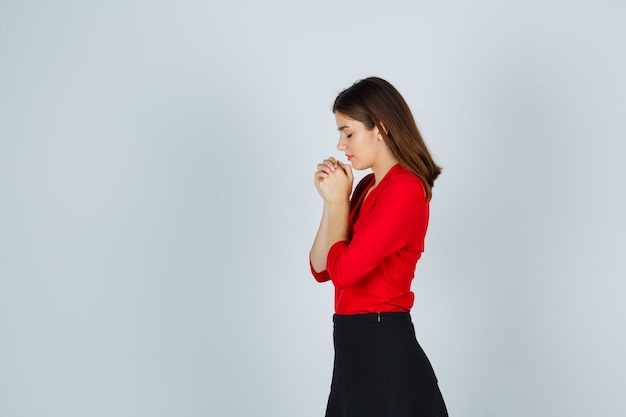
(401,181)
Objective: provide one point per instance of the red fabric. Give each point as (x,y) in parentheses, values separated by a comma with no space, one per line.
(372,272)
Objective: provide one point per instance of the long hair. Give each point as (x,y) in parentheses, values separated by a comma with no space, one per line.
(374,102)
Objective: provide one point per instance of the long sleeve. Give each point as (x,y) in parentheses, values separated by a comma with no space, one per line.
(322,276)
(387,228)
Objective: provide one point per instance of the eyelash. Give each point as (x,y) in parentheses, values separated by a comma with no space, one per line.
(349,136)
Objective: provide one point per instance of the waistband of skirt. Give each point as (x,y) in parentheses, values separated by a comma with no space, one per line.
(370,318)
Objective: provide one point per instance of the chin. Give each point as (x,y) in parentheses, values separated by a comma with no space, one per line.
(356,165)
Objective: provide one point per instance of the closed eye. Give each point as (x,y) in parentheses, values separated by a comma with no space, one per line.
(349,136)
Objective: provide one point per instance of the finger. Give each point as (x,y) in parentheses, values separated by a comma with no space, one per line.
(331,163)
(343,166)
(348,170)
(320,175)
(325,167)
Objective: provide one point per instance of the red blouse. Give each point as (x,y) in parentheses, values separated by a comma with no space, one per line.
(373,270)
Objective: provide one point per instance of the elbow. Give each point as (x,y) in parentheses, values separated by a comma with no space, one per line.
(321,278)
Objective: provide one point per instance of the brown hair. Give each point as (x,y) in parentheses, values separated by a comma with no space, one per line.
(374,102)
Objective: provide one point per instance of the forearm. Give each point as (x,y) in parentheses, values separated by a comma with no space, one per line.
(333,228)
(319,250)
(338,222)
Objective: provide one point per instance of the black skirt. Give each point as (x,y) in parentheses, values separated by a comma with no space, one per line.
(380,370)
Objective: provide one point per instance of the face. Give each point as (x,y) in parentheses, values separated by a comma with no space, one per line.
(361,146)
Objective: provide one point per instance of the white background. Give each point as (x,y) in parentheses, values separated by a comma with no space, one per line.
(157,206)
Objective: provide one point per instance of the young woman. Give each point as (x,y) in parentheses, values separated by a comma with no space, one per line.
(368,246)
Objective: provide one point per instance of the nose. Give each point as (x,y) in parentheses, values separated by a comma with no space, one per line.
(341,145)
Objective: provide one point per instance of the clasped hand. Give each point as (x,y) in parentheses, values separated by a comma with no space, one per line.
(333,180)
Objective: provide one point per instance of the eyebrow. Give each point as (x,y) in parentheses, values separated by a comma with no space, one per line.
(342,128)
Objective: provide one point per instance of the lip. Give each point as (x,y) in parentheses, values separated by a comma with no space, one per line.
(349,157)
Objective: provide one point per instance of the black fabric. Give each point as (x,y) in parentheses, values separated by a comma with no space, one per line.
(380,370)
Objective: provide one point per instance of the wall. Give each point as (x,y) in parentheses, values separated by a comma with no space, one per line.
(157,206)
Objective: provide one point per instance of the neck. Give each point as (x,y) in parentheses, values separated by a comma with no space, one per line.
(382,168)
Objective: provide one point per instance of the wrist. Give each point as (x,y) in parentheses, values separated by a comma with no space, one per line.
(338,211)
(337,204)
(338,216)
